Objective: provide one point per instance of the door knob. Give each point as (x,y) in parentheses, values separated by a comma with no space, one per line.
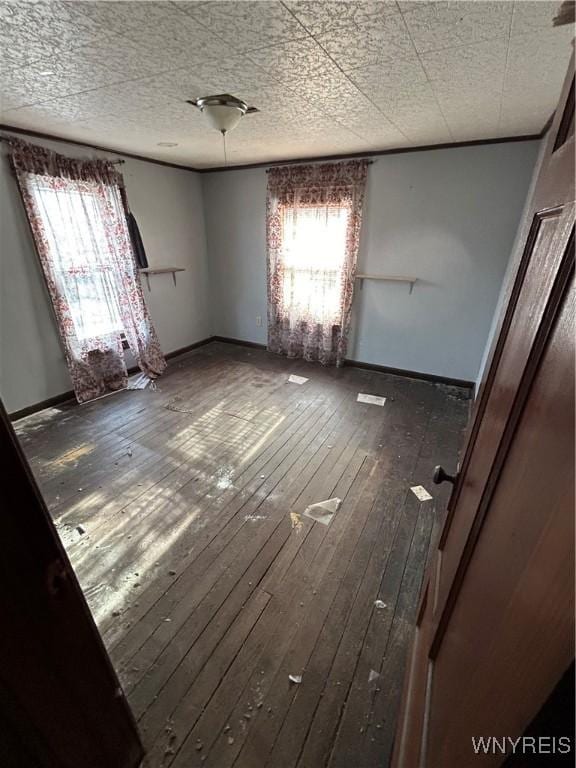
(440,476)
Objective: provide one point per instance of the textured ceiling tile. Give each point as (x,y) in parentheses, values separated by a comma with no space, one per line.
(166,28)
(57,76)
(101,101)
(320,18)
(477,132)
(413,98)
(123,15)
(447,24)
(394,74)
(466,106)
(294,62)
(247,25)
(335,95)
(472,65)
(534,77)
(237,75)
(485,117)
(7,103)
(530,61)
(61,24)
(523,118)
(20,46)
(126,59)
(531,16)
(374,127)
(370,44)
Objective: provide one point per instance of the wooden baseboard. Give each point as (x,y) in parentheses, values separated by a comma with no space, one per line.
(189,348)
(464,383)
(239,342)
(50,402)
(69,395)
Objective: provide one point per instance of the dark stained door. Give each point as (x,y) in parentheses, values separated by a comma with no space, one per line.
(61,705)
(495,628)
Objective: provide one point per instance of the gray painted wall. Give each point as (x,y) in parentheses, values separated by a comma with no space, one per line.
(446,216)
(509,274)
(167,204)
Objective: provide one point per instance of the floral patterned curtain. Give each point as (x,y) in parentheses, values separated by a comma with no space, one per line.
(76,210)
(314,213)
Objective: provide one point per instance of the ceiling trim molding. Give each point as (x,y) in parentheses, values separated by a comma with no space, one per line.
(272,163)
(99,147)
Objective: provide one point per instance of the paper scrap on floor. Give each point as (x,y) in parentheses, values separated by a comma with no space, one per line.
(370,399)
(294,379)
(421,493)
(323,511)
(140,381)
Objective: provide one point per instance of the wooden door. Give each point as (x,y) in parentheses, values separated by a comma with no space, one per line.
(61,705)
(495,626)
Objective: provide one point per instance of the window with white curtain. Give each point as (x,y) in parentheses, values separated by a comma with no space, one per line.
(81,264)
(313,255)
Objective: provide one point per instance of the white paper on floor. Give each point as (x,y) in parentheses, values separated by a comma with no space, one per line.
(140,381)
(323,511)
(421,493)
(373,675)
(297,379)
(370,399)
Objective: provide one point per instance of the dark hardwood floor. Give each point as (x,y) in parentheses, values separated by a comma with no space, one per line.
(181,510)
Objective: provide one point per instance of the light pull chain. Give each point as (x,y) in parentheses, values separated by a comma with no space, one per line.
(224,143)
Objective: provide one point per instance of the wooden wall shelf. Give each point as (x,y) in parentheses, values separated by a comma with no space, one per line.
(160,271)
(388,278)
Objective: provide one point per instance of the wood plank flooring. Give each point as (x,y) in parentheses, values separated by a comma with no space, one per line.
(182,512)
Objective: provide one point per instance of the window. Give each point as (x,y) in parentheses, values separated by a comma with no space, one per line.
(82,265)
(313,256)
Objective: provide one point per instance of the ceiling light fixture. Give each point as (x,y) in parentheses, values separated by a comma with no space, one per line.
(223,112)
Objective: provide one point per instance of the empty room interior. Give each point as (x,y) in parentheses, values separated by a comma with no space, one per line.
(287,379)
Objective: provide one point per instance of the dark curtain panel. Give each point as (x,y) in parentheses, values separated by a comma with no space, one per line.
(137,244)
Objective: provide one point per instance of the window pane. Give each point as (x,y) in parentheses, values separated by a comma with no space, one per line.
(313,254)
(81,261)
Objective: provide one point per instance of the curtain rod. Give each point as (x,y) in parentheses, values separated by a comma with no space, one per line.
(284,163)
(112,162)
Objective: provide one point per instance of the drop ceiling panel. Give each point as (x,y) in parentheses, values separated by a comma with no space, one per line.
(439,25)
(328,77)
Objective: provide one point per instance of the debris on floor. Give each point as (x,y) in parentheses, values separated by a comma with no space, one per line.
(81,530)
(296,520)
(370,399)
(294,379)
(141,381)
(323,511)
(297,679)
(224,478)
(373,676)
(254,518)
(379,604)
(421,493)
